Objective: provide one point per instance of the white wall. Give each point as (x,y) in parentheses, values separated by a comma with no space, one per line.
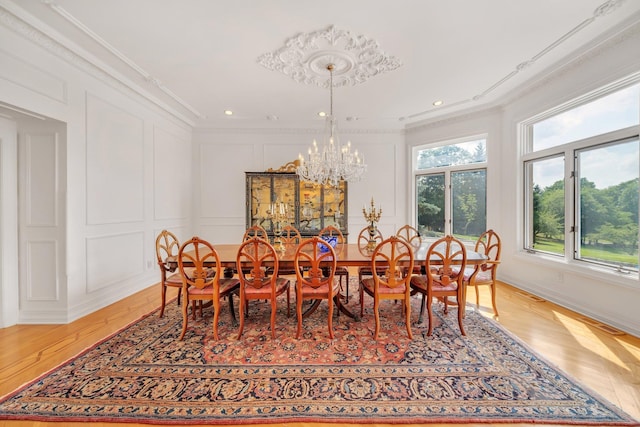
(221,158)
(8,222)
(601,294)
(122,187)
(597,293)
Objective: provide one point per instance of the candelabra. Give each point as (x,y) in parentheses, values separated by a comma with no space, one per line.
(372,216)
(278,213)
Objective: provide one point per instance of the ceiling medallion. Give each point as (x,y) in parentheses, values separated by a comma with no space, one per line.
(305,58)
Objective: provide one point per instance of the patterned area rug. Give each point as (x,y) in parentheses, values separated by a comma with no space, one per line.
(144,374)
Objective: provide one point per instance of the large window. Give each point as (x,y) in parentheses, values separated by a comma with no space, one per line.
(450,189)
(582,169)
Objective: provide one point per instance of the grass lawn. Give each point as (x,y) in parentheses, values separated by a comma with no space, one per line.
(613,255)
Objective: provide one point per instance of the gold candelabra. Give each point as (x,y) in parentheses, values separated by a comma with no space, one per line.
(372,216)
(278,213)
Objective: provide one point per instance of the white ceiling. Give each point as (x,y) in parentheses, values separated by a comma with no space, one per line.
(200,57)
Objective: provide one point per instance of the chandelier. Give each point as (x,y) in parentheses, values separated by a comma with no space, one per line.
(333,162)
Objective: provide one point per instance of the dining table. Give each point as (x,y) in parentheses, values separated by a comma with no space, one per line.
(347,254)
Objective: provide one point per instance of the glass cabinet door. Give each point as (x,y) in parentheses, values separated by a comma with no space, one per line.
(308,207)
(284,192)
(259,193)
(334,212)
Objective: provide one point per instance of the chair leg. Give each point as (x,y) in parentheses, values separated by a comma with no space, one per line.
(461,316)
(241,313)
(233,313)
(185,318)
(407,316)
(421,315)
(163,299)
(493,299)
(361,292)
(430,315)
(346,299)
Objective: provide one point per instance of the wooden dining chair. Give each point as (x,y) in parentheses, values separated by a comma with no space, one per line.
(445,262)
(167,247)
(255,231)
(291,237)
(259,278)
(315,264)
(390,261)
(202,280)
(341,272)
(485,275)
(412,236)
(363,242)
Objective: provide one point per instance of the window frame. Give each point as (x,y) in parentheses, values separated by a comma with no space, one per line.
(569,151)
(447,171)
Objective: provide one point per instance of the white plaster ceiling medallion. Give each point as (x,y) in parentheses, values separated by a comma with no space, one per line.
(305,58)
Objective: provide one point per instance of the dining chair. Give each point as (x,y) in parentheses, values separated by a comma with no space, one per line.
(315,264)
(363,242)
(445,263)
(167,246)
(255,230)
(291,237)
(390,261)
(257,282)
(341,272)
(202,280)
(490,245)
(412,236)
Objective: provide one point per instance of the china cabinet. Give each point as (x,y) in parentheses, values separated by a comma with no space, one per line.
(276,198)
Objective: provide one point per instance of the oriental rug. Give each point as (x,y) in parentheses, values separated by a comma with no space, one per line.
(144,374)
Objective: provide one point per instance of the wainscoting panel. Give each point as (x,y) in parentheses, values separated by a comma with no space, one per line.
(171,176)
(115,164)
(114,258)
(41,183)
(41,262)
(222,183)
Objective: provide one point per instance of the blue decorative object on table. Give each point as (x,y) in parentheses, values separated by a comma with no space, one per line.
(331,240)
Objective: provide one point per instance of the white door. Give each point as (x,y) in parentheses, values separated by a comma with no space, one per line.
(41,218)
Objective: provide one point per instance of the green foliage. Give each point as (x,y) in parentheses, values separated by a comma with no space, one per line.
(608,220)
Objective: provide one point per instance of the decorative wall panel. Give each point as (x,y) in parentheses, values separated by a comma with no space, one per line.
(171,166)
(115,164)
(41,181)
(112,259)
(42,260)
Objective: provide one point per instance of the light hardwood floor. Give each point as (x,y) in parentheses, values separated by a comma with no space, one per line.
(606,362)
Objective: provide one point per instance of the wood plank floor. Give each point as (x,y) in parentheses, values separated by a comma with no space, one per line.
(607,362)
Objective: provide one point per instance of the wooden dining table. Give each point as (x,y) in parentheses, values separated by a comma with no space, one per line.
(348,255)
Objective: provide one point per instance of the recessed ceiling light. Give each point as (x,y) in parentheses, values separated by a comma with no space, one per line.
(322,114)
(438,103)
(228,112)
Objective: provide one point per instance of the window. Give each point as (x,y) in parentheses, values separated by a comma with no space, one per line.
(450,189)
(581,174)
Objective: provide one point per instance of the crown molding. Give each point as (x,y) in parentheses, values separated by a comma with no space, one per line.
(613,42)
(292,131)
(602,10)
(75,56)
